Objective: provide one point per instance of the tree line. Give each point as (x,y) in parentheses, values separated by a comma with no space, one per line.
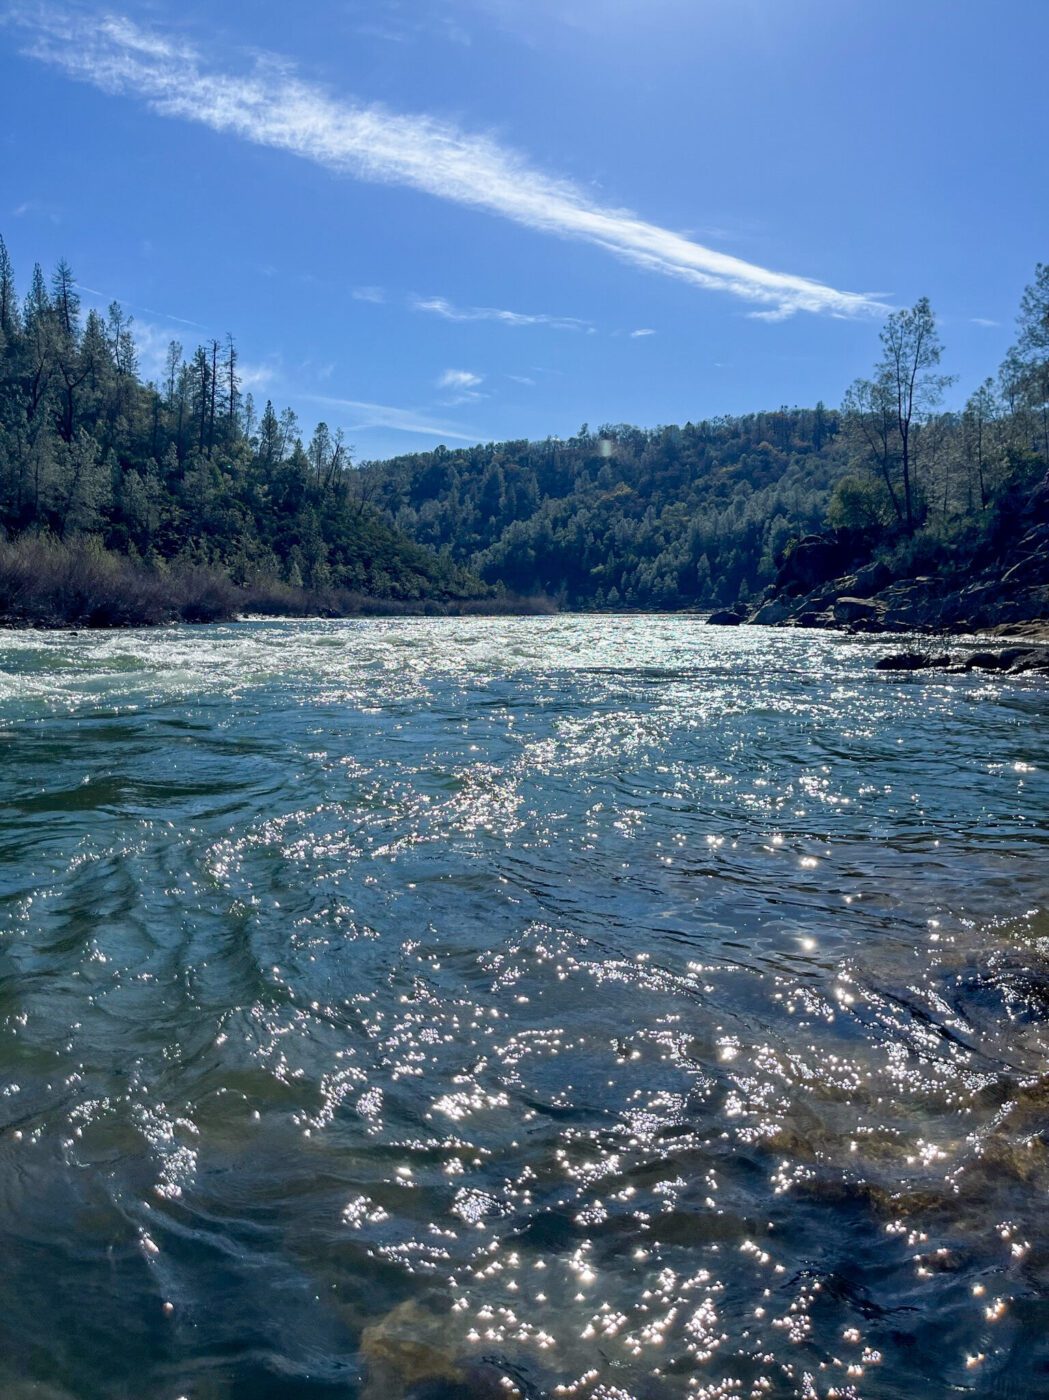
(916,469)
(700,515)
(182,472)
(625,517)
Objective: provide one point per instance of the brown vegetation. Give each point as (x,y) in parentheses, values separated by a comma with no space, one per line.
(49,583)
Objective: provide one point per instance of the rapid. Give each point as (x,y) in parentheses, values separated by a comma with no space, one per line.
(613,1008)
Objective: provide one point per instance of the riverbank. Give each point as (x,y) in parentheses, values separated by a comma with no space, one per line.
(832,581)
(48,585)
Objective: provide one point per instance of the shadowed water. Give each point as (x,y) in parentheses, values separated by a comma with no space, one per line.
(566,1007)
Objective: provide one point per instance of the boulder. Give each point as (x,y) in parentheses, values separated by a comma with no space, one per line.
(1014,660)
(817,559)
(1009,657)
(1032,569)
(772,613)
(911,661)
(871,579)
(984,661)
(858,610)
(913,604)
(726,617)
(1039,662)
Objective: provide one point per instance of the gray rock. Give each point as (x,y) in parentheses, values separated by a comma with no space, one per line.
(1015,660)
(912,661)
(858,610)
(771,614)
(871,579)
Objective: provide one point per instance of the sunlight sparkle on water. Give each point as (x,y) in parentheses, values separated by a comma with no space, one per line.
(626,1012)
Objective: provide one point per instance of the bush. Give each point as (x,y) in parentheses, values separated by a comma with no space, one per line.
(46,582)
(859,503)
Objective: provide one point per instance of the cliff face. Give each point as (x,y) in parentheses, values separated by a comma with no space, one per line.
(831,581)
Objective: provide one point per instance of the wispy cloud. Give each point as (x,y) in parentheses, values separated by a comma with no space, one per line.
(37,208)
(372,294)
(642,334)
(378,415)
(439,306)
(273,107)
(983,321)
(107,297)
(391,25)
(255,376)
(459,379)
(152,339)
(464,384)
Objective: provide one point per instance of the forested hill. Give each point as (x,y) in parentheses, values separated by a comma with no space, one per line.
(177,475)
(676,517)
(183,472)
(179,494)
(703,514)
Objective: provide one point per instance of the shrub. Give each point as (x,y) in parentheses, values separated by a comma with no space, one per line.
(51,583)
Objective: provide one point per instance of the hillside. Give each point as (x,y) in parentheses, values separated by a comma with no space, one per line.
(123,500)
(677,517)
(181,481)
(944,506)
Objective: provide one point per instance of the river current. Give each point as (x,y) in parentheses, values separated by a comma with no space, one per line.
(608,1008)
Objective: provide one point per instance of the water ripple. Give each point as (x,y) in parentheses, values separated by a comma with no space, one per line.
(563,1007)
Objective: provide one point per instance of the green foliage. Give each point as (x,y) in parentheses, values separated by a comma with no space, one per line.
(941,492)
(859,503)
(672,518)
(184,475)
(181,472)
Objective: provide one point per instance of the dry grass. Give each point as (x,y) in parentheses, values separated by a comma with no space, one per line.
(49,583)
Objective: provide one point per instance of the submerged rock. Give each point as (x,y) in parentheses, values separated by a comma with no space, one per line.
(410,1355)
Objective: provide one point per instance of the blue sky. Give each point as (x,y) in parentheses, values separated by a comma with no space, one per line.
(462,220)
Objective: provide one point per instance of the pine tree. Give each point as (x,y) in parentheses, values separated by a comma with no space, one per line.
(9,318)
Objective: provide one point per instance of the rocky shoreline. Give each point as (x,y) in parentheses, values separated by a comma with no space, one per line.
(819,586)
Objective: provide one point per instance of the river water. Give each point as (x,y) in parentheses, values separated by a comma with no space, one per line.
(565,1007)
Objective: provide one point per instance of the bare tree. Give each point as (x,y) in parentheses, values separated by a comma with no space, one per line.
(232,382)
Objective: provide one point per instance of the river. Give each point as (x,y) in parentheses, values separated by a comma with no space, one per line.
(590,1007)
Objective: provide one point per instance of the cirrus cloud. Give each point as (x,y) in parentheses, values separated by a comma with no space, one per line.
(441,306)
(270,105)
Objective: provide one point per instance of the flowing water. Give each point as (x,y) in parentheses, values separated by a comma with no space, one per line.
(574,1007)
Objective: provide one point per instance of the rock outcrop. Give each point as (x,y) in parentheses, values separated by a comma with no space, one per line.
(1009,595)
(1013,661)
